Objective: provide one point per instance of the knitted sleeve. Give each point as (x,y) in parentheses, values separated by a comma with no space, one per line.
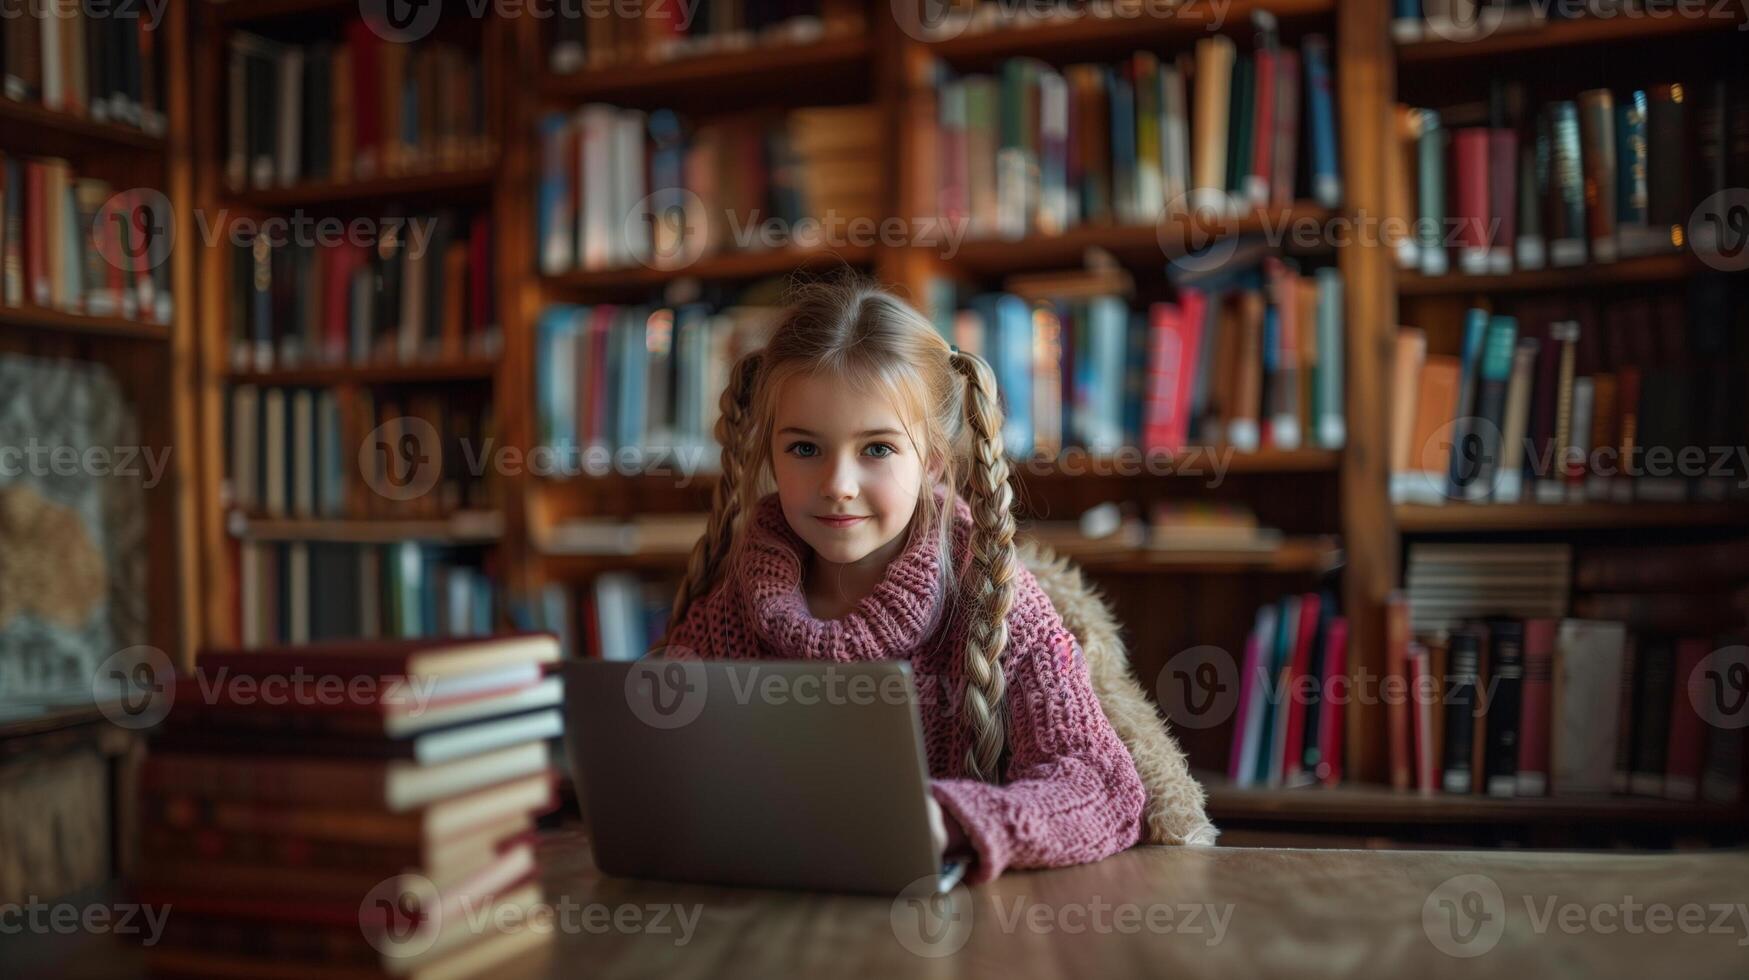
(713,629)
(1072,793)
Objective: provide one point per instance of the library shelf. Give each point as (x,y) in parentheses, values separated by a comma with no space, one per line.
(1361,803)
(474,181)
(462,527)
(1090,37)
(1462,518)
(1540,36)
(394,372)
(721,266)
(763,65)
(1147,244)
(1310,555)
(33,128)
(1666,267)
(41,319)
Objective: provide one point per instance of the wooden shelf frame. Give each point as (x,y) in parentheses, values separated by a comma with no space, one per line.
(1471,518)
(1549,36)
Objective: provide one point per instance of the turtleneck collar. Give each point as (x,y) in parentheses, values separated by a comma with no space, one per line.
(892,622)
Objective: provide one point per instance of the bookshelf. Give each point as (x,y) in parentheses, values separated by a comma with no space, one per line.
(1342,520)
(150,358)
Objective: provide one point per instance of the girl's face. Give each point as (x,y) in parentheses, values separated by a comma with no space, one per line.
(837,453)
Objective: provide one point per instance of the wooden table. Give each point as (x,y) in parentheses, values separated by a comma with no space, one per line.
(1168,912)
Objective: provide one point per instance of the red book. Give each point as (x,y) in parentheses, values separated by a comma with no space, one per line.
(1533,707)
(1330,718)
(36,234)
(364,46)
(1682,759)
(1502,199)
(1397,674)
(1171,365)
(1469,199)
(1263,128)
(1298,666)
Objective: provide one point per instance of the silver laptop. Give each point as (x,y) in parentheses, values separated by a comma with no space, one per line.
(786,774)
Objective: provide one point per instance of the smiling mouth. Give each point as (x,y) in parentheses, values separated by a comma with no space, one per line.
(841,521)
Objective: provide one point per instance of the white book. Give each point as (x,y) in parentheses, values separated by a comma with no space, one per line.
(596,183)
(54,89)
(630,229)
(1174,138)
(291,108)
(1053,201)
(1579,441)
(1584,707)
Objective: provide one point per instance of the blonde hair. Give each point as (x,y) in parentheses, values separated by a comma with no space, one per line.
(858,331)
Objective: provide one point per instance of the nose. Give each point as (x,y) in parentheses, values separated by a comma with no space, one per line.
(839,480)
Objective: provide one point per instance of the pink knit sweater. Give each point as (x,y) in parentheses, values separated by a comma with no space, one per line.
(1070,792)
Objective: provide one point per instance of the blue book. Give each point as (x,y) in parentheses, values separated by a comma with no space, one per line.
(1123,146)
(1430,193)
(1462,469)
(1321,118)
(1109,320)
(632,358)
(555,388)
(1013,368)
(1329,418)
(1135,377)
(555,218)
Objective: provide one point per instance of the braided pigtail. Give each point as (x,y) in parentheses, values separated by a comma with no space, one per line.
(732,423)
(989,584)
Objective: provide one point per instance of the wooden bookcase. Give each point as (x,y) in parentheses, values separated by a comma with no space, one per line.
(1208,599)
(152,362)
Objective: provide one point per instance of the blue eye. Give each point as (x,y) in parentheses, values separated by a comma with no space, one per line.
(796,449)
(886,450)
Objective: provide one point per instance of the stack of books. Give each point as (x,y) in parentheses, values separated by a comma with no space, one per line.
(351,809)
(1449,583)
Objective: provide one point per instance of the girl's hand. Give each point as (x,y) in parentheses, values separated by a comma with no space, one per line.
(946,832)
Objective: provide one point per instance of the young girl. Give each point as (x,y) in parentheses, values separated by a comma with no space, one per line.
(868,424)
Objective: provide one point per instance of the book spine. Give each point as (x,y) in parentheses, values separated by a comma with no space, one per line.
(1506,677)
(1460,711)
(1532,775)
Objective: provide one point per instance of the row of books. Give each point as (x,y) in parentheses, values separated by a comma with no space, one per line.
(1603,176)
(1562,403)
(351,452)
(1288,727)
(620,187)
(620,377)
(99,61)
(421,288)
(390,833)
(304,591)
(665,31)
(1034,150)
(614,616)
(1508,707)
(355,109)
(74,244)
(1249,361)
